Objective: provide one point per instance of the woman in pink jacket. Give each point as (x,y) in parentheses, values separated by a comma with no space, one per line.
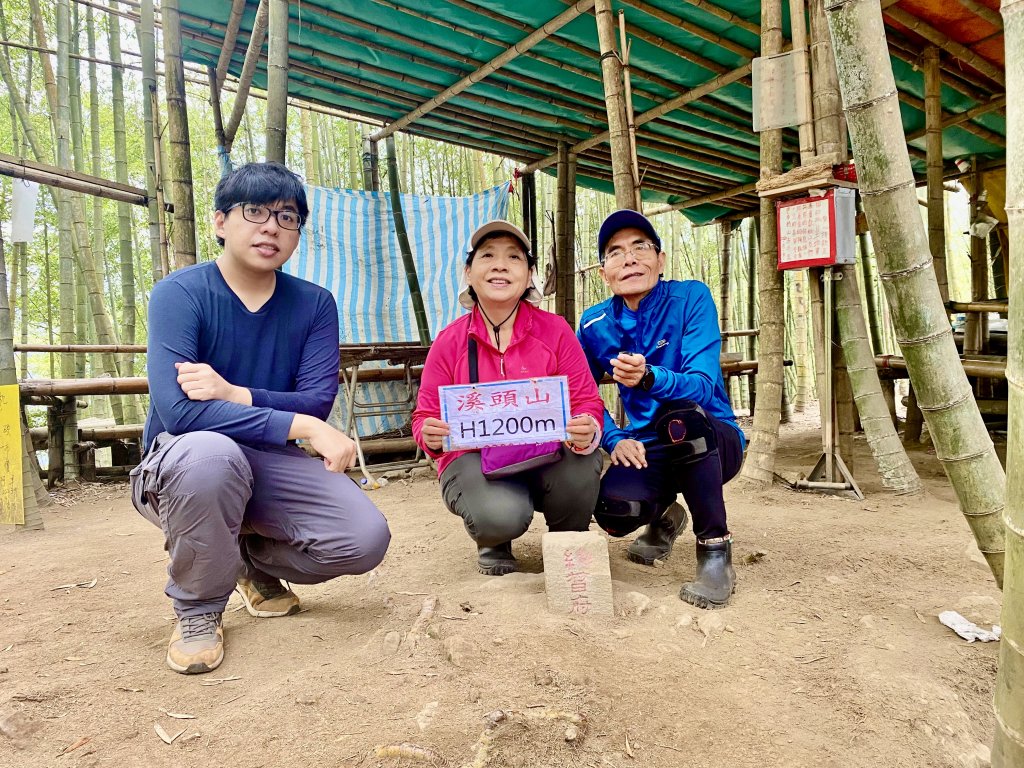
(513,340)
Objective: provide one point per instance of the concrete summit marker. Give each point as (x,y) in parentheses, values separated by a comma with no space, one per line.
(576,573)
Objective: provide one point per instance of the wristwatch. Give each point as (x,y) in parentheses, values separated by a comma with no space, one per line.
(647,380)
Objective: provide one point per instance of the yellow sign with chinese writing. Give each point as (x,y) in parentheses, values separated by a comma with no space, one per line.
(12,503)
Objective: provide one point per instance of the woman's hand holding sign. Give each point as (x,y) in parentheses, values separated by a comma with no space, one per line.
(434,432)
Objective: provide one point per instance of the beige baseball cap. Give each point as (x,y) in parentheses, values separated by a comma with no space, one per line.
(534,294)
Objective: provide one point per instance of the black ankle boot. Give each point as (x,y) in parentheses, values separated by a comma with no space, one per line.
(655,543)
(496,561)
(716,578)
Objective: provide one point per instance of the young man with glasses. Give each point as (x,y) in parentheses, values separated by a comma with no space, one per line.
(660,342)
(242,362)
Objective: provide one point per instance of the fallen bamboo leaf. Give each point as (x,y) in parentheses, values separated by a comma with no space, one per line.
(9,647)
(128,690)
(629,749)
(72,747)
(74,658)
(177,715)
(219,680)
(82,584)
(164,736)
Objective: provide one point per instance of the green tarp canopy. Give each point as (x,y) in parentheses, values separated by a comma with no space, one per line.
(380,59)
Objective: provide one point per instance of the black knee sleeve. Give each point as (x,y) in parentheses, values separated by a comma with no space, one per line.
(683,426)
(622,516)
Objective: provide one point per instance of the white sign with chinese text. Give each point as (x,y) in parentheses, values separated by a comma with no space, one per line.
(505,412)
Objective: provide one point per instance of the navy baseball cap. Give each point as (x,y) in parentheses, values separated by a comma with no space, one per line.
(624,219)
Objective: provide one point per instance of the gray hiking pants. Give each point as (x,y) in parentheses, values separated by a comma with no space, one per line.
(497,511)
(218,502)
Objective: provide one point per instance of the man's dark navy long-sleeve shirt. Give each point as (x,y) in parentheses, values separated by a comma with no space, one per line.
(285,354)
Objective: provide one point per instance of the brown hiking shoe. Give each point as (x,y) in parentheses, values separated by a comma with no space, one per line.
(197,644)
(267,598)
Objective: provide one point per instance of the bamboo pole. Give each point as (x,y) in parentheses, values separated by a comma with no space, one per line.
(252,58)
(724,308)
(989,369)
(624,46)
(760,463)
(422,326)
(277,81)
(581,6)
(802,79)
(147,46)
(1008,746)
(180,161)
(66,178)
(978,306)
(961,441)
(29,517)
(626,193)
(570,240)
(711,197)
(936,192)
(561,235)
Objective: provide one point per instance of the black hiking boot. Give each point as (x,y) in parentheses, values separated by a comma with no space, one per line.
(496,561)
(655,543)
(716,579)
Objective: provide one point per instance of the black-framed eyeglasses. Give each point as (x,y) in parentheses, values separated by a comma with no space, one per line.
(260,214)
(639,250)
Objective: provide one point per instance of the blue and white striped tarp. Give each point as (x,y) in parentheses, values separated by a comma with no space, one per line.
(349,246)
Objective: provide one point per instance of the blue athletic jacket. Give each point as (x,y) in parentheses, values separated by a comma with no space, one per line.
(677,332)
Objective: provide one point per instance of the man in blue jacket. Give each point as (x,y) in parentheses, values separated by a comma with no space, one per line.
(660,342)
(243,361)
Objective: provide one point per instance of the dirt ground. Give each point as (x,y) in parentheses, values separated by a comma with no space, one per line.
(830,655)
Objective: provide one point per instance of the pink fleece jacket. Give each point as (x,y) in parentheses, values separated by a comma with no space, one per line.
(542,344)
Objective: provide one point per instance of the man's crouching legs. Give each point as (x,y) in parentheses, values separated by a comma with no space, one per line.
(196,487)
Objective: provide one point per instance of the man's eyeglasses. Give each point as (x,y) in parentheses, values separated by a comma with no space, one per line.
(260,214)
(638,250)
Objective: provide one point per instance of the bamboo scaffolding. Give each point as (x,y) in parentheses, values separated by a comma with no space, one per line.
(743,125)
(982,133)
(318,74)
(664,108)
(692,28)
(537,89)
(576,48)
(959,118)
(951,46)
(963,82)
(522,46)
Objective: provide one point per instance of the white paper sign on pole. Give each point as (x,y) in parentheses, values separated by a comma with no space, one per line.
(505,412)
(23,210)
